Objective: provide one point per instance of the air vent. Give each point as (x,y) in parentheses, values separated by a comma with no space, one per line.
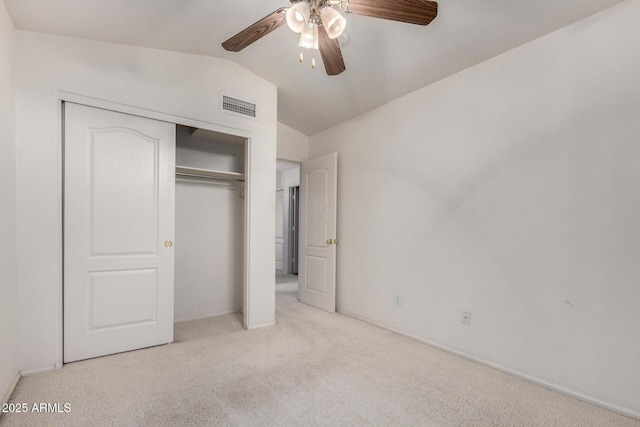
(238,107)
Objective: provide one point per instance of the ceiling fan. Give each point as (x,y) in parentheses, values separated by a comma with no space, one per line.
(320,24)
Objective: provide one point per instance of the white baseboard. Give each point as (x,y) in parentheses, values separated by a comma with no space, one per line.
(530,378)
(7,396)
(39,371)
(264,325)
(207,316)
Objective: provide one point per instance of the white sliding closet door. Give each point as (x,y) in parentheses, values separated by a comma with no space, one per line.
(119,178)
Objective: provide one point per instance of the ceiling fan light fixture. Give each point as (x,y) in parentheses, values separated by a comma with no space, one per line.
(309,36)
(333,22)
(298,16)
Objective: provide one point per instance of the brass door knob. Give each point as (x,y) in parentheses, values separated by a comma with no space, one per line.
(168,244)
(329,242)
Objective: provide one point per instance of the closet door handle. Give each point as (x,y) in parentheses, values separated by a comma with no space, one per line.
(168,244)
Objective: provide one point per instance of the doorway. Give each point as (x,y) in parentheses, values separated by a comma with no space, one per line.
(287,179)
(287,184)
(315,203)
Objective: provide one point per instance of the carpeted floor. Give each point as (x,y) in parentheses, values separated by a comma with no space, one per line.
(313,368)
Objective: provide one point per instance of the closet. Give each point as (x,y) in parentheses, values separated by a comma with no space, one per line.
(153,223)
(209,223)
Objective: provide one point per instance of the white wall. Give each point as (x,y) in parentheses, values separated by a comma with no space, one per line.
(208,250)
(177,84)
(292,145)
(511,190)
(8,262)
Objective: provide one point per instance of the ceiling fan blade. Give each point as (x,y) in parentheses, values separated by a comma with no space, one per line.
(256,31)
(330,52)
(420,12)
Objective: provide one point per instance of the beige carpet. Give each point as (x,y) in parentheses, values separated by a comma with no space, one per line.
(313,368)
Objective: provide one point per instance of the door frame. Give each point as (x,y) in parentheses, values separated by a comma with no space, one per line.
(283,230)
(287,231)
(62,97)
(294,239)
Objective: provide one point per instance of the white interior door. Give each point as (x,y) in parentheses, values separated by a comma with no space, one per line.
(119,179)
(317,258)
(280,230)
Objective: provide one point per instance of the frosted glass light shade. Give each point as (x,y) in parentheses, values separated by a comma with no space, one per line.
(309,36)
(333,22)
(298,16)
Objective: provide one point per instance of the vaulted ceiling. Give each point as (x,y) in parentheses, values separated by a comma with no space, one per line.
(384,59)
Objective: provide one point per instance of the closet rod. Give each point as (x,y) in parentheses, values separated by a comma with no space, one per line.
(209,174)
(222,178)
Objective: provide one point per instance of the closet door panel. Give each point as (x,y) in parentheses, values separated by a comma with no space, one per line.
(119,227)
(124,202)
(107,308)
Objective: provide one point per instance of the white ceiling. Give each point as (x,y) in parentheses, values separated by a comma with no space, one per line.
(384,59)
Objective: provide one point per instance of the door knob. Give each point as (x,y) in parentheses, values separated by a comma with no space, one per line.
(329,242)
(168,244)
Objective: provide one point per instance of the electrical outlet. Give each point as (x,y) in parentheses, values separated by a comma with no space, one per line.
(397,300)
(466,318)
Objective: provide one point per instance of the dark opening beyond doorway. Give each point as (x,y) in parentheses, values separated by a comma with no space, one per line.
(294,210)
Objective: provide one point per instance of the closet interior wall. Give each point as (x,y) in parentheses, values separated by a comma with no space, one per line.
(209,225)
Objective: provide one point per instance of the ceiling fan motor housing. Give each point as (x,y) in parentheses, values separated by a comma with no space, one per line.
(316,6)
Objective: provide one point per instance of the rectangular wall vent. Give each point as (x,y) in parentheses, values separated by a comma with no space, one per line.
(238,107)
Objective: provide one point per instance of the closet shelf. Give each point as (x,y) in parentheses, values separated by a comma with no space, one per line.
(208,173)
